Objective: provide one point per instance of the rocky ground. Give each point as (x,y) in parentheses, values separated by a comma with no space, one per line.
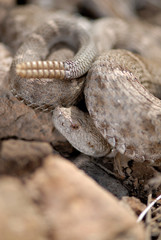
(49,190)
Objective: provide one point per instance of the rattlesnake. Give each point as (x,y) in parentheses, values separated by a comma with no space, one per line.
(37,47)
(127,116)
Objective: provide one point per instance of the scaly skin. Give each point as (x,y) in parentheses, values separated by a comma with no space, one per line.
(79,129)
(40,88)
(127,115)
(122,110)
(68,69)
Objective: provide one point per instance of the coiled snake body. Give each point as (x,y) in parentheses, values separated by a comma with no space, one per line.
(123,114)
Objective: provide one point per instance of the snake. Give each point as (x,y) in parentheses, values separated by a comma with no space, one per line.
(123,114)
(29,72)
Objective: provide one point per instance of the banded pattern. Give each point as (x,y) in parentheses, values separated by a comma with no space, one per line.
(41,69)
(56,29)
(123,113)
(37,80)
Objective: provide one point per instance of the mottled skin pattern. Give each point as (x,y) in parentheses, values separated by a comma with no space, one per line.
(125,114)
(56,29)
(133,35)
(40,92)
(79,126)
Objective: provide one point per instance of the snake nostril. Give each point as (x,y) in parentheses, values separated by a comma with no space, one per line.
(75,126)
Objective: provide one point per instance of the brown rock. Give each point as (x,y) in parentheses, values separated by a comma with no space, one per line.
(134,203)
(5,63)
(140,176)
(18,156)
(136,175)
(19,216)
(19,22)
(21,121)
(5,5)
(75,207)
(91,8)
(143,171)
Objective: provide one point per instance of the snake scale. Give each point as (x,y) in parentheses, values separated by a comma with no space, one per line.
(123,114)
